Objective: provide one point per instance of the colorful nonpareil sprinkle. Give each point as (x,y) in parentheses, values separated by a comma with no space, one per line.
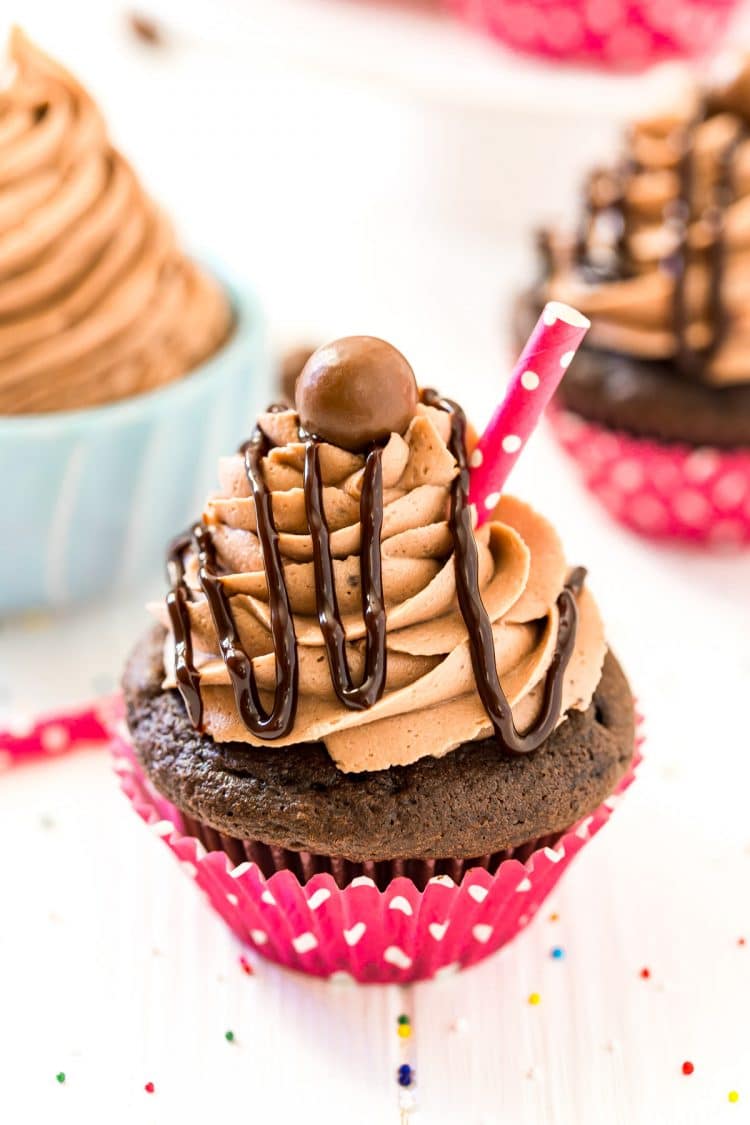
(555,917)
(534,998)
(229,1036)
(60,1077)
(246,967)
(687,1067)
(149,1088)
(733,1096)
(645,974)
(557,953)
(405,1075)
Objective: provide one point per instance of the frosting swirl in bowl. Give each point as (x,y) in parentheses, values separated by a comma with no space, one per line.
(97,302)
(430,703)
(662,262)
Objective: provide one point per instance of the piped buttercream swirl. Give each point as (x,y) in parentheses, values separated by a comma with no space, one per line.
(97,302)
(430,704)
(661,264)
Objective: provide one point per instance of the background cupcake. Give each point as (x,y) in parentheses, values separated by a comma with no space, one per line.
(658,400)
(274,759)
(98,306)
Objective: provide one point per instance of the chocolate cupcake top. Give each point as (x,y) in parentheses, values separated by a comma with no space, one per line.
(97,302)
(661,263)
(326,591)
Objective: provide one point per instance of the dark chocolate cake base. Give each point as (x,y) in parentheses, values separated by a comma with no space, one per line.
(646,398)
(476,804)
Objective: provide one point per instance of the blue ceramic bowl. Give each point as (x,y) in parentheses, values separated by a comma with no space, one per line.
(90,497)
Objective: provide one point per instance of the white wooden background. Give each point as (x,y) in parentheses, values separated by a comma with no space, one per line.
(374,176)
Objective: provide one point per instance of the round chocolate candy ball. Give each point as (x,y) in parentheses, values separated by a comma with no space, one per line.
(356,391)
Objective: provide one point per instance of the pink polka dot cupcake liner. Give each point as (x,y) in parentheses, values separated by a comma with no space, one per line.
(358,932)
(619,35)
(697,495)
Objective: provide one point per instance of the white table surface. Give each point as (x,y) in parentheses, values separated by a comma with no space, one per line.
(112,969)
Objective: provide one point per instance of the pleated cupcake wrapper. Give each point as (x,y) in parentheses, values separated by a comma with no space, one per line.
(360,933)
(629,35)
(304,865)
(661,490)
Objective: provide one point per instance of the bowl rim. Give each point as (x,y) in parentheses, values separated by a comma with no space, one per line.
(248,332)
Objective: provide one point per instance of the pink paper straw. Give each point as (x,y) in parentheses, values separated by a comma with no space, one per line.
(541,365)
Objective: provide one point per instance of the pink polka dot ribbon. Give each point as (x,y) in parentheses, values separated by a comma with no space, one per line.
(536,376)
(29,739)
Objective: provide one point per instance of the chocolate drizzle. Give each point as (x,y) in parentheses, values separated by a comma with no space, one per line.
(279,721)
(692,361)
(334,637)
(186,674)
(264,724)
(613,210)
(476,618)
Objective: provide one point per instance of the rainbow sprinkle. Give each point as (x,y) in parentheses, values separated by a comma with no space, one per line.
(405,1075)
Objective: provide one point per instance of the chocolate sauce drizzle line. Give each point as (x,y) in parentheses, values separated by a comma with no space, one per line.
(334,636)
(264,724)
(476,618)
(615,207)
(279,721)
(186,674)
(691,362)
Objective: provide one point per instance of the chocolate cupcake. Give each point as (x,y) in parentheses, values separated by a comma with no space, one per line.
(312,701)
(657,401)
(125,366)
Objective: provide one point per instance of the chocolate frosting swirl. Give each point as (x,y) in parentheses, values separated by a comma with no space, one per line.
(422,698)
(661,264)
(97,302)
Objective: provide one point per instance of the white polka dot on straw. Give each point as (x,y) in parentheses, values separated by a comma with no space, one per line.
(511,443)
(492,501)
(476,459)
(530,380)
(566,359)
